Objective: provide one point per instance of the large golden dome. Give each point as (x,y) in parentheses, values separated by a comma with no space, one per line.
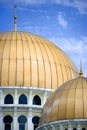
(67,103)
(30,60)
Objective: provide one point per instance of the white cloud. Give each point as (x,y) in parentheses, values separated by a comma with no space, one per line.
(81,5)
(26,26)
(21,8)
(75,49)
(31,10)
(62,21)
(38,10)
(32,1)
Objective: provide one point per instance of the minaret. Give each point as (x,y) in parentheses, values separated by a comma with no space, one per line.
(80,73)
(15,19)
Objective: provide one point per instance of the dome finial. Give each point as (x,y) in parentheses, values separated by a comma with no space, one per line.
(15,19)
(80,73)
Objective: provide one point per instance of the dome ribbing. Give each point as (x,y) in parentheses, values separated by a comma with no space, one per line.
(30,60)
(67,102)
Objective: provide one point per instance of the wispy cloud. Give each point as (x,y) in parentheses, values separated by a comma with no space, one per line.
(31,10)
(22,8)
(39,10)
(27,27)
(62,21)
(81,5)
(75,49)
(32,1)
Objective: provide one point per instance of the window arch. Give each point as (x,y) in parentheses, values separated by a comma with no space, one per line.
(22,121)
(22,99)
(35,121)
(7,121)
(8,99)
(37,100)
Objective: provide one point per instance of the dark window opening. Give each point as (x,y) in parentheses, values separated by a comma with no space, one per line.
(74,129)
(83,129)
(22,121)
(22,99)
(7,120)
(35,121)
(36,100)
(7,126)
(21,126)
(35,126)
(8,99)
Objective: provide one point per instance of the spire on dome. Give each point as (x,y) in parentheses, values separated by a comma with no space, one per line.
(80,73)
(15,18)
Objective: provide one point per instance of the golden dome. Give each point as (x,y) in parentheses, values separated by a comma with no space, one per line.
(68,102)
(30,60)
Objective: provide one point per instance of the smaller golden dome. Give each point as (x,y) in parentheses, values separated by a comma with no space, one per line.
(68,102)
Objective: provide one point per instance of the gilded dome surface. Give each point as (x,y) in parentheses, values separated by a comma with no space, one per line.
(68,102)
(30,60)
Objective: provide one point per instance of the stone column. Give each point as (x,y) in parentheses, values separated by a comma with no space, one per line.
(30,98)
(1,119)
(30,124)
(61,126)
(69,126)
(78,126)
(15,119)
(45,97)
(15,97)
(1,97)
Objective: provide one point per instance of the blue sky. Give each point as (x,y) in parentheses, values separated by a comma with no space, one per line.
(64,22)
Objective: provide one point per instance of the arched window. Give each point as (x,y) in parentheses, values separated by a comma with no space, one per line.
(35,121)
(83,129)
(7,120)
(8,99)
(22,121)
(36,100)
(22,99)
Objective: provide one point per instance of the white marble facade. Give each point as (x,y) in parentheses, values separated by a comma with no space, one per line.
(21,106)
